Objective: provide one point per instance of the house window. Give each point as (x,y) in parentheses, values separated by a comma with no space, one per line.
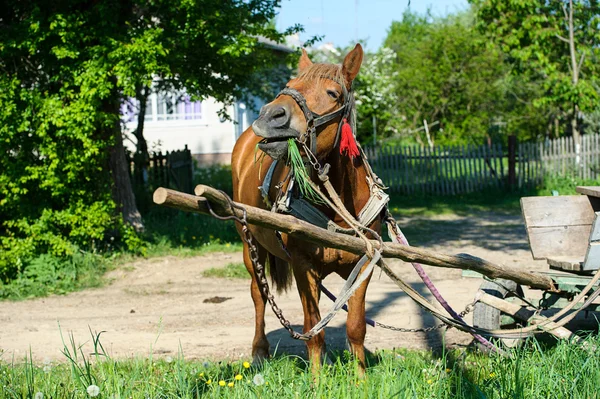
(163,106)
(172,106)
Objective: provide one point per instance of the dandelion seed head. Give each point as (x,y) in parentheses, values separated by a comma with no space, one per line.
(258,380)
(93,390)
(47,368)
(168,359)
(39,395)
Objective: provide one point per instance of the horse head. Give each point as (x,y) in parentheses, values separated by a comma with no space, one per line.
(311,108)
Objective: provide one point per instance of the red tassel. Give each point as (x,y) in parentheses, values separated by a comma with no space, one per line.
(347,143)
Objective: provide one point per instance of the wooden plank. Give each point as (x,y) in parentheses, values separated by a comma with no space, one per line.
(592,257)
(526,314)
(592,191)
(566,263)
(558,241)
(564,210)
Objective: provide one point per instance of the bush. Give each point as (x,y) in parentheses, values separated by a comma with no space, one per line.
(563,185)
(47,274)
(217,176)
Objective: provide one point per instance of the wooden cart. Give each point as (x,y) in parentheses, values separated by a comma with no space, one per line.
(565,231)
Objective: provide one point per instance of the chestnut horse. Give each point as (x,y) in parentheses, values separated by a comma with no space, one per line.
(324,87)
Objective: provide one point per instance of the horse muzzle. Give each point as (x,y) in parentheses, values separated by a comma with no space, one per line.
(273,125)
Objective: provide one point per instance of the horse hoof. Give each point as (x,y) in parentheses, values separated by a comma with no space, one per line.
(259,357)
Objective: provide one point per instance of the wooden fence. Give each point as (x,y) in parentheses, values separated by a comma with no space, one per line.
(172,169)
(462,169)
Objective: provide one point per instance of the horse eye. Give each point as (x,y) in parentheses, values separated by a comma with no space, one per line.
(333,94)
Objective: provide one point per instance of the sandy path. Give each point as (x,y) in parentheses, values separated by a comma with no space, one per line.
(157,304)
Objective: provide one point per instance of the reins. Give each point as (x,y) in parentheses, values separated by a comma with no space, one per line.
(363,269)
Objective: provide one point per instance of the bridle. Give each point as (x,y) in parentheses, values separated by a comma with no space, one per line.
(314,120)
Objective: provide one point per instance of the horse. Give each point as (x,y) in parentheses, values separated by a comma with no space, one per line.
(326,89)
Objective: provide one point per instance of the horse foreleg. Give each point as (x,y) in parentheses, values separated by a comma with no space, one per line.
(260,344)
(308,288)
(356,327)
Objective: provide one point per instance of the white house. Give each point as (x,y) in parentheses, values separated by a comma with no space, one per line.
(172,121)
(171,125)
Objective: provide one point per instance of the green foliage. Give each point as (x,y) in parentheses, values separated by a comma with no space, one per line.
(447,75)
(564,371)
(535,36)
(231,270)
(65,67)
(168,230)
(216,176)
(300,174)
(47,274)
(563,185)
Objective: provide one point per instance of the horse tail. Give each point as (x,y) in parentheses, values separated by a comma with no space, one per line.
(280,271)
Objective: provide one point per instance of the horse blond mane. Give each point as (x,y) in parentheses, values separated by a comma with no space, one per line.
(320,72)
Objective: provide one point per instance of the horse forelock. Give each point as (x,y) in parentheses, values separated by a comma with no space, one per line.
(318,73)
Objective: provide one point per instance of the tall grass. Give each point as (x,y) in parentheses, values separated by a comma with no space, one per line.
(564,371)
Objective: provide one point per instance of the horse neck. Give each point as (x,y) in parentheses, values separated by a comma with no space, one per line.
(349,179)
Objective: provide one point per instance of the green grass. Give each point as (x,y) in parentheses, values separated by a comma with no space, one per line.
(232,270)
(564,371)
(465,204)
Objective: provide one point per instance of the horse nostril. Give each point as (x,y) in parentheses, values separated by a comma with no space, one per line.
(279,117)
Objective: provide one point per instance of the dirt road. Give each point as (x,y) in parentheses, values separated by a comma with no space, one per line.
(157,305)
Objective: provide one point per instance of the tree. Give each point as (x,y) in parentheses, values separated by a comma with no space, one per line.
(555,43)
(66,68)
(373,88)
(447,77)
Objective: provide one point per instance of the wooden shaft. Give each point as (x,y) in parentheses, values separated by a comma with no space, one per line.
(525,314)
(308,232)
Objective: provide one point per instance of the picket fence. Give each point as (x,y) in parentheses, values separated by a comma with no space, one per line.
(450,170)
(171,169)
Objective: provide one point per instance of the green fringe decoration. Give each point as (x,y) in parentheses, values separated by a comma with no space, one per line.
(300,174)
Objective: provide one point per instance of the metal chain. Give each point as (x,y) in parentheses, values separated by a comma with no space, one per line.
(259,268)
(468,309)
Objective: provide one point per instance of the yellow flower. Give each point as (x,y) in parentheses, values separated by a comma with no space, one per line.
(230,384)
(246,365)
(448,370)
(228,245)
(193,237)
(222,383)
(238,377)
(201,375)
(430,381)
(208,382)
(492,374)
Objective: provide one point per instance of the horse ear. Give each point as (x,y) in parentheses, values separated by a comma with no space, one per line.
(351,64)
(304,62)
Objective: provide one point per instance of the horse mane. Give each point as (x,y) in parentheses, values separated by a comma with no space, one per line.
(317,73)
(320,72)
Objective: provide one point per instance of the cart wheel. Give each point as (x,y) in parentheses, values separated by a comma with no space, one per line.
(490,318)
